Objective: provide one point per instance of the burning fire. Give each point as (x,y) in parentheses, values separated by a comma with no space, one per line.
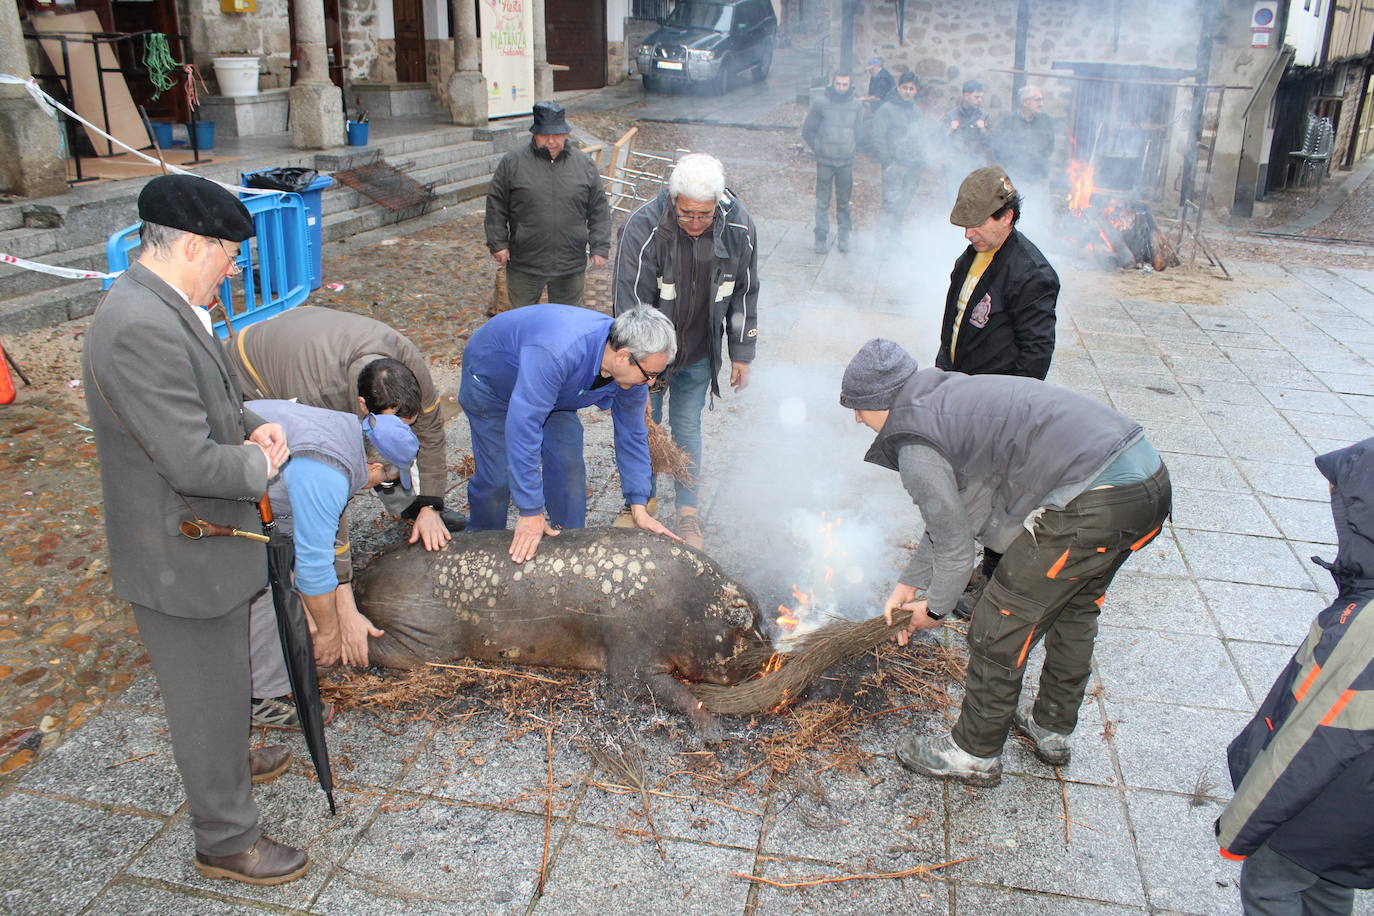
(790,618)
(1080,185)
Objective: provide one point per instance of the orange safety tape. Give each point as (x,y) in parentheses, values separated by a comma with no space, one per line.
(1058,566)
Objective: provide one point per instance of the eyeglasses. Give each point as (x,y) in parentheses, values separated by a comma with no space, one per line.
(649,377)
(694,216)
(234,268)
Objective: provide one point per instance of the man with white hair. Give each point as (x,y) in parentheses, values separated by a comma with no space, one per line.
(1024,141)
(692,253)
(526,373)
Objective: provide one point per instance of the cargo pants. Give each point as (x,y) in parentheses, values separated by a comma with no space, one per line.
(1050,585)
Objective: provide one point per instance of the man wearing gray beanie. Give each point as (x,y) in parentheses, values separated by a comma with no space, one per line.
(1066,488)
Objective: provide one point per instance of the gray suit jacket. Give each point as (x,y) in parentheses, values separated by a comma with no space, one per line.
(166,379)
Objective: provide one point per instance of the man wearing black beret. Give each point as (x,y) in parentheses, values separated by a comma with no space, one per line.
(176,445)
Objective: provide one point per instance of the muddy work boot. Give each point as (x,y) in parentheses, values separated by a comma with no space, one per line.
(943,759)
(265,863)
(963,609)
(688,527)
(1051,747)
(626,519)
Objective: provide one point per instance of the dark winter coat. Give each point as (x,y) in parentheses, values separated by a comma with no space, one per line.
(548,212)
(831,127)
(968,138)
(1008,326)
(646,272)
(1303,769)
(901,133)
(881,85)
(1024,147)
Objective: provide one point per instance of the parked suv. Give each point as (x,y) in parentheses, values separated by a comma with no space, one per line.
(709,42)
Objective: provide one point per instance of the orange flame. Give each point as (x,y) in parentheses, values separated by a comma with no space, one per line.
(785,618)
(1080,185)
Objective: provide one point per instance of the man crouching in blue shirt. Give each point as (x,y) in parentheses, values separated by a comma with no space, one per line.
(526,373)
(309,496)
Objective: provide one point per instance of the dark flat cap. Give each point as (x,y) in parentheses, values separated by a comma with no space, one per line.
(973,86)
(875,375)
(195,205)
(983,193)
(907,77)
(549,118)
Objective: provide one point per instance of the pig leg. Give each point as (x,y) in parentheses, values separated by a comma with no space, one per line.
(667,690)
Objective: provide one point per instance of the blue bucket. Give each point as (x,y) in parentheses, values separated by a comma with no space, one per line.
(162,133)
(202,134)
(357,133)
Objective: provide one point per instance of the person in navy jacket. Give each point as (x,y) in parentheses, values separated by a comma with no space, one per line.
(526,373)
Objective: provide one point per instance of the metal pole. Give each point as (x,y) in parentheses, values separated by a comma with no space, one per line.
(1204,65)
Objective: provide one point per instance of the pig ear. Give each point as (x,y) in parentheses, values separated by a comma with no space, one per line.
(739,614)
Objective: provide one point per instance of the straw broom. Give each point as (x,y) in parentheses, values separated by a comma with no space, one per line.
(500,296)
(665,455)
(815,653)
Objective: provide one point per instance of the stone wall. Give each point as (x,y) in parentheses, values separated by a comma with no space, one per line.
(265,33)
(383,69)
(358,23)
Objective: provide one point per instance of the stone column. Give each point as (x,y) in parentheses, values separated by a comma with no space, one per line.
(317,110)
(543,73)
(31,156)
(467,88)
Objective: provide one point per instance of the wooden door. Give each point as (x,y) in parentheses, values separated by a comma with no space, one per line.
(410,40)
(576,32)
(157,16)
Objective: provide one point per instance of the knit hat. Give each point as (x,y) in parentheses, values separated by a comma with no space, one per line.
(907,77)
(875,375)
(874,62)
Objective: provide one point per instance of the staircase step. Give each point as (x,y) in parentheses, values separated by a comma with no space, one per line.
(371,216)
(49,307)
(17,281)
(30,243)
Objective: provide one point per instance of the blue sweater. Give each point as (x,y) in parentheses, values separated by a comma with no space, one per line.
(543,358)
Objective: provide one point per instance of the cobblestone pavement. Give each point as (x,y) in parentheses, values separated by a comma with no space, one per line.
(1239,384)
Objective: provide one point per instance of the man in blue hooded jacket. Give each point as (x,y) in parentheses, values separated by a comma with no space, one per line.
(1302,817)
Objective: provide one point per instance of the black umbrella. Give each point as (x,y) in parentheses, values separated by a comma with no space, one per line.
(296,645)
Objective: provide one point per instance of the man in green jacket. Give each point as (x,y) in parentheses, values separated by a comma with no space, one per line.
(546,208)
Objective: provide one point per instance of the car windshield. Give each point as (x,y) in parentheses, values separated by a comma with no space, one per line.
(714,16)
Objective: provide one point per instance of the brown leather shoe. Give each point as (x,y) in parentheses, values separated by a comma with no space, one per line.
(266,862)
(267,763)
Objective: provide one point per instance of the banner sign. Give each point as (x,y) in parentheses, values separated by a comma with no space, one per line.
(508,56)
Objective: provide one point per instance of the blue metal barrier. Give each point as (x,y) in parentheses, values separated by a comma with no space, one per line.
(275,262)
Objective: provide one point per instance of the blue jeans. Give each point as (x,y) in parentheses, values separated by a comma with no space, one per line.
(686,397)
(564,472)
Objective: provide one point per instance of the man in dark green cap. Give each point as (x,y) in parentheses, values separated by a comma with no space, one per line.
(999,312)
(176,445)
(547,214)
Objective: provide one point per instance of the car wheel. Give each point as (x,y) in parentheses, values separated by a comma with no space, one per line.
(651,83)
(761,71)
(721,84)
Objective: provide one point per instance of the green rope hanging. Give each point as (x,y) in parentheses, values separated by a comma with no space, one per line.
(158,61)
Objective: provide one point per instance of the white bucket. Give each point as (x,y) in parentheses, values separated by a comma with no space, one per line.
(238,76)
